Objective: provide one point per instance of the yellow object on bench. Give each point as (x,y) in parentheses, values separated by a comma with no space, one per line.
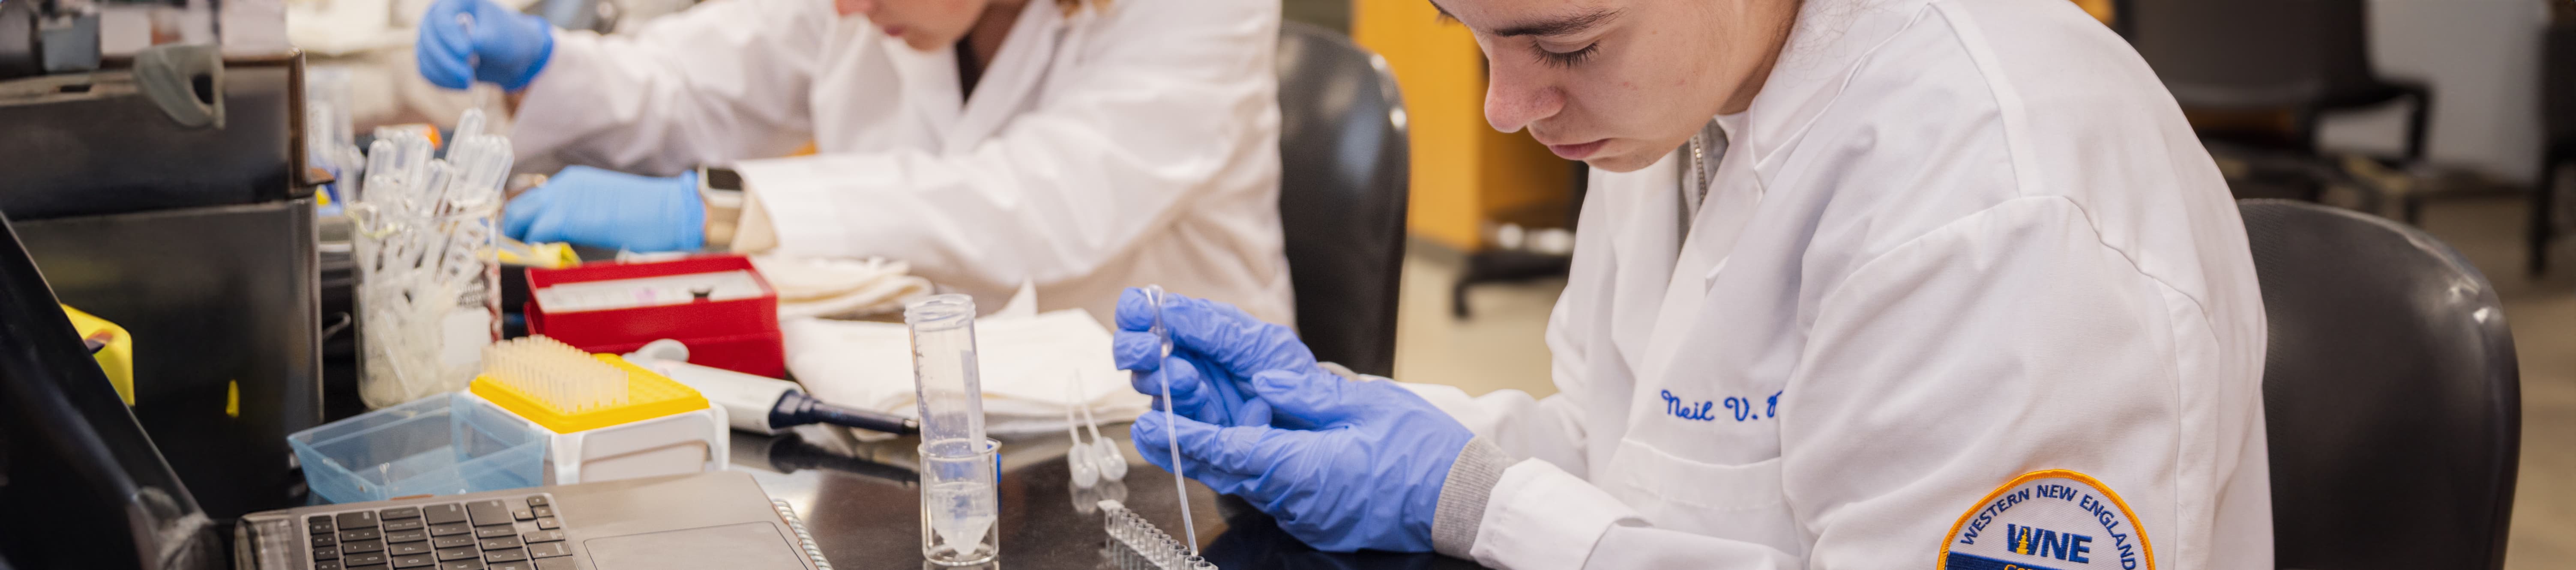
(649,396)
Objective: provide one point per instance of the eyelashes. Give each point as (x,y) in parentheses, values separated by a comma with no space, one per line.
(1568,59)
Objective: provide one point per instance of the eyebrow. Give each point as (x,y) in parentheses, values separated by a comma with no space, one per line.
(1555,27)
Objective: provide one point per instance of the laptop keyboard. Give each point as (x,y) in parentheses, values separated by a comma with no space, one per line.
(490,534)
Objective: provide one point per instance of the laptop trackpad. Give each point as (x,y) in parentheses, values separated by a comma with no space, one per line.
(746,546)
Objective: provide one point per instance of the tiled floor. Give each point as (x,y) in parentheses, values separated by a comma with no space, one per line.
(1500,347)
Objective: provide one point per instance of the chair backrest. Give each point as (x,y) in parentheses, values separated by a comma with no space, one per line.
(2389,391)
(1343,185)
(2252,54)
(81,486)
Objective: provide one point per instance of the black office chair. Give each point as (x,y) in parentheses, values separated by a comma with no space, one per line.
(2390,393)
(2307,57)
(2558,116)
(81,486)
(1343,185)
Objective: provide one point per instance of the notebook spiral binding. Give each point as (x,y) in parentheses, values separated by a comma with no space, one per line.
(804,538)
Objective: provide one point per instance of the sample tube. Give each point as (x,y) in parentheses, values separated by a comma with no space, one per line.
(958,465)
(958,508)
(943,369)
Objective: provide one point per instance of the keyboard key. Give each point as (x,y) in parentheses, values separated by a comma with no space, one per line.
(451,541)
(542,512)
(449,528)
(523,514)
(505,555)
(398,513)
(542,536)
(489,512)
(327,565)
(322,540)
(549,550)
(403,548)
(555,564)
(413,535)
(519,565)
(404,524)
(543,523)
(537,501)
(359,534)
(320,524)
(381,567)
(357,546)
(363,559)
(456,553)
(443,514)
(511,541)
(415,560)
(466,564)
(326,553)
(495,531)
(360,519)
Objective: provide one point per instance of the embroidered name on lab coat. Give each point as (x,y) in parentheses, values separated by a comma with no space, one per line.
(1734,408)
(2048,520)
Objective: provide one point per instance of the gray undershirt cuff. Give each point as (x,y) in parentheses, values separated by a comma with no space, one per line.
(1463,495)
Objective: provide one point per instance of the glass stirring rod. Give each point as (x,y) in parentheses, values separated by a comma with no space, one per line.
(1171,423)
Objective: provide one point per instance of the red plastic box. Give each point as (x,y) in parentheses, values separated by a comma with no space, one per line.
(738,334)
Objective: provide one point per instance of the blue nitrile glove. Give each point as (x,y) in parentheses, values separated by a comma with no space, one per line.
(1216,350)
(1367,476)
(606,209)
(500,45)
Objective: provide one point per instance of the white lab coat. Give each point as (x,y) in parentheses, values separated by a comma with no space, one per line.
(1960,240)
(1118,146)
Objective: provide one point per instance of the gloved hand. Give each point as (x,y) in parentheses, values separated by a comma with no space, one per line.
(1216,350)
(1368,476)
(606,209)
(465,40)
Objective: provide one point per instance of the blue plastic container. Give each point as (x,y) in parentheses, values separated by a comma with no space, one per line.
(440,445)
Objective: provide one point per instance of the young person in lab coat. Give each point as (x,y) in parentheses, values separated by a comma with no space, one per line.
(1861,285)
(1079,144)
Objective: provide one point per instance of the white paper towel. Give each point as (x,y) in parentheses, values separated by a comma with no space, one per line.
(1025,363)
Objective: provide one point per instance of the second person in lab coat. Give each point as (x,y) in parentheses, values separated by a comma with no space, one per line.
(1082,145)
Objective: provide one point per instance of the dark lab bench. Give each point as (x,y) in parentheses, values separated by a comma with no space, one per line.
(861,502)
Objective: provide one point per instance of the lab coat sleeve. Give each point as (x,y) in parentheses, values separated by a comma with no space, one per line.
(2008,341)
(718,82)
(1167,102)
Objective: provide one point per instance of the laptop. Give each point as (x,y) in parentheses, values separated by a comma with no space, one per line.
(82,486)
(697,521)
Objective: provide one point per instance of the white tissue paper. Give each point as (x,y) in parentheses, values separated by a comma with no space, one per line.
(825,287)
(1025,360)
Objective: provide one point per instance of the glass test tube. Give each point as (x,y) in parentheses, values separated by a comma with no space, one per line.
(958,507)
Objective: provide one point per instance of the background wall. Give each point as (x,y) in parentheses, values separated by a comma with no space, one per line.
(2482,58)
(1335,14)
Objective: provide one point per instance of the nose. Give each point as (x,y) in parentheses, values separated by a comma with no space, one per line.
(848,7)
(1517,95)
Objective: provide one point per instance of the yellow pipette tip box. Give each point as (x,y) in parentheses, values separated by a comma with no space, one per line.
(649,395)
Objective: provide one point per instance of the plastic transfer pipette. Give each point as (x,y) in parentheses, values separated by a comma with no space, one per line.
(1171,422)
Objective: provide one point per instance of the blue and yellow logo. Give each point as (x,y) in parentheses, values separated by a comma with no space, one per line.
(2048,520)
